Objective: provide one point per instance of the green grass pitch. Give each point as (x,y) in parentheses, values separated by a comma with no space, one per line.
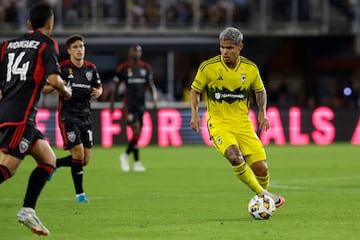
(190,192)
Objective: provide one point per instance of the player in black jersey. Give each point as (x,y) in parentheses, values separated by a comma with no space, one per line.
(75,114)
(138,77)
(26,64)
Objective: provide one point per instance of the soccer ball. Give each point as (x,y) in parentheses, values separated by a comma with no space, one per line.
(261,207)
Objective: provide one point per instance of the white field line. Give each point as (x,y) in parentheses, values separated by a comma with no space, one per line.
(298,184)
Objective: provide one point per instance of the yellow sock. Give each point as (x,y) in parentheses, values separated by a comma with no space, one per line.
(247,176)
(264,181)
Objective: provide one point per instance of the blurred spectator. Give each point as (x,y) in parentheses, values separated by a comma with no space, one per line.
(179,12)
(242,11)
(151,12)
(345,7)
(70,13)
(136,11)
(216,13)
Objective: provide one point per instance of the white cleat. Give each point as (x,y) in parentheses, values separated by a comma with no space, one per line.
(138,167)
(27,217)
(124,162)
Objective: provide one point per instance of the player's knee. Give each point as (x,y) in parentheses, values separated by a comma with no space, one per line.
(260,168)
(5,173)
(234,156)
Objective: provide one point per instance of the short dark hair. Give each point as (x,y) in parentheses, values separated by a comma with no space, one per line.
(73,38)
(39,14)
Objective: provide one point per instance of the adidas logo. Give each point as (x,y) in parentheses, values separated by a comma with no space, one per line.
(220,78)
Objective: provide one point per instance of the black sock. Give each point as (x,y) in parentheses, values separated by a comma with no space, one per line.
(36,183)
(136,153)
(131,146)
(4,173)
(65,161)
(77,175)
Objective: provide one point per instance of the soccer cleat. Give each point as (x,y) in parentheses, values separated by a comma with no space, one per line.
(280,202)
(27,217)
(138,167)
(124,162)
(81,198)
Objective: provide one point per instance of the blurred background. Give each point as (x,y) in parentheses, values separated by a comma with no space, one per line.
(307,50)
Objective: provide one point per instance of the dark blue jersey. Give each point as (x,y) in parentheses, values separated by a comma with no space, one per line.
(136,79)
(81,81)
(25,63)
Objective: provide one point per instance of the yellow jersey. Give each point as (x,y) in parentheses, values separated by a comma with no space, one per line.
(228,90)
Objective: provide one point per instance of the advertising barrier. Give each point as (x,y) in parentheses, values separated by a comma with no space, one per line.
(170,127)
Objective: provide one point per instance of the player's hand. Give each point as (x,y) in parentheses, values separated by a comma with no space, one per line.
(1,95)
(154,104)
(264,123)
(195,122)
(95,92)
(67,93)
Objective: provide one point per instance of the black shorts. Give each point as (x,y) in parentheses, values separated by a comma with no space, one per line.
(18,140)
(76,130)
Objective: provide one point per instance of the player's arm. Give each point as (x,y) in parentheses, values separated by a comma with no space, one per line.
(114,94)
(153,91)
(59,85)
(261,101)
(194,107)
(47,88)
(96,91)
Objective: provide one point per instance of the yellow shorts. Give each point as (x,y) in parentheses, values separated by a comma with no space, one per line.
(247,141)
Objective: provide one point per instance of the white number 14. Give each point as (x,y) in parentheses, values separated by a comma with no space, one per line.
(14,68)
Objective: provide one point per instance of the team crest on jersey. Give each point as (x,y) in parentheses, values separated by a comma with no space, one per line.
(71,136)
(243,78)
(142,72)
(24,145)
(219,140)
(89,75)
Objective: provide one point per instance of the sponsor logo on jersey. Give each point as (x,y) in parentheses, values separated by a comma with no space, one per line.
(227,95)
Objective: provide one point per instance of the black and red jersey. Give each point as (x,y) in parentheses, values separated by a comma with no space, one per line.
(81,81)
(136,79)
(25,63)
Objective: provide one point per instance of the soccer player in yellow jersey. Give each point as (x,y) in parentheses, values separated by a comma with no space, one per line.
(228,79)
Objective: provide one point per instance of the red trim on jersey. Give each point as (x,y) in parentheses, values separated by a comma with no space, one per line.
(3,49)
(16,138)
(88,63)
(65,62)
(62,125)
(121,66)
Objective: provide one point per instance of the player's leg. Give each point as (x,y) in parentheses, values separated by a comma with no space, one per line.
(77,172)
(45,158)
(8,163)
(138,166)
(227,144)
(255,157)
(241,169)
(8,166)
